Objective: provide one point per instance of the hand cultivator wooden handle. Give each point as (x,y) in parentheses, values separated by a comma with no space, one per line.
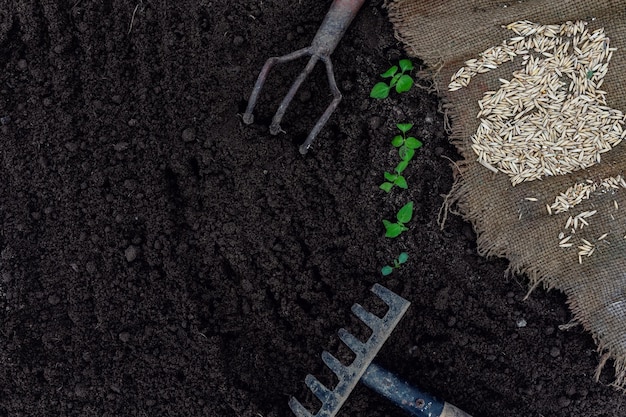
(335,24)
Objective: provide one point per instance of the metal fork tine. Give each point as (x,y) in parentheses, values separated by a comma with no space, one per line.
(352,342)
(248,117)
(298,409)
(372,321)
(317,388)
(304,148)
(278,117)
(334,364)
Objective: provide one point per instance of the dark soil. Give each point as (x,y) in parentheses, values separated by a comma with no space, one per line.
(160,258)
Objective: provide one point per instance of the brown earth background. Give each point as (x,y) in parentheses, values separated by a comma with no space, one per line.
(160,258)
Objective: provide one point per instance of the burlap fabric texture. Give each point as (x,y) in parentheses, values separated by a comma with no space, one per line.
(514,221)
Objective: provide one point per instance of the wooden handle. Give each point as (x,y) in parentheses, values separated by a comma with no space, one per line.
(335,24)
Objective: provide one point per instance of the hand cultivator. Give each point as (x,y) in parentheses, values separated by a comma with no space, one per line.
(335,24)
(409,398)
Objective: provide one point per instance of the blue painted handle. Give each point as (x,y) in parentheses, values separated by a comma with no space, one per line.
(407,397)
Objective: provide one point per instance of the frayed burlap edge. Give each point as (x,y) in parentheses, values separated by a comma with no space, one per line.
(456,202)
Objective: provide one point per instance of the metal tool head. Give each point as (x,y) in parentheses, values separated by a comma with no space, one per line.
(349,376)
(335,24)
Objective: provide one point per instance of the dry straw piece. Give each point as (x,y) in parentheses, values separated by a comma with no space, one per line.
(528,93)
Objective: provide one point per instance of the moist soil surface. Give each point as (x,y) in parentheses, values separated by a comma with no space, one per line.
(161,258)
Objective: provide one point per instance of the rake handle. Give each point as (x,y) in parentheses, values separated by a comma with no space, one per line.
(410,399)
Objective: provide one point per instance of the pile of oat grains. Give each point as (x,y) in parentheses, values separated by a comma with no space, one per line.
(551,118)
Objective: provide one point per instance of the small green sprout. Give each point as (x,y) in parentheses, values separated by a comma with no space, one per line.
(401,81)
(395,179)
(406,145)
(397,263)
(404,216)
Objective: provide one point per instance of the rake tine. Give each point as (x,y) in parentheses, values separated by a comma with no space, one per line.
(304,148)
(334,364)
(298,409)
(352,342)
(248,117)
(317,388)
(275,126)
(372,321)
(394,301)
(384,294)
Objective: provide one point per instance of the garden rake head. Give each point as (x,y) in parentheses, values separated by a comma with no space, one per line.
(412,400)
(335,24)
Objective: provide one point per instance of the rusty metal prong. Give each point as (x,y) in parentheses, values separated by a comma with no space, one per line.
(304,148)
(248,117)
(278,117)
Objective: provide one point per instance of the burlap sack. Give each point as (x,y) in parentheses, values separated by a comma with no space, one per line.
(513,221)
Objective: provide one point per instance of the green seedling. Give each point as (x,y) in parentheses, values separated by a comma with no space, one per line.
(401,81)
(395,178)
(406,145)
(406,149)
(403,217)
(397,263)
